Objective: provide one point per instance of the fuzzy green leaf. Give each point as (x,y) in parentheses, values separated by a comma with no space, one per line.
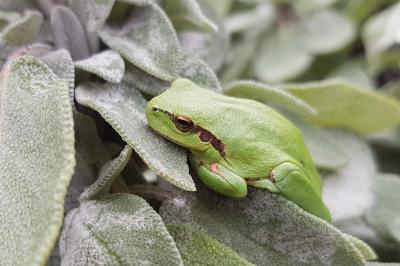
(367,252)
(108,65)
(348,191)
(211,47)
(200,73)
(325,152)
(143,81)
(381,31)
(187,15)
(323,32)
(386,208)
(264,228)
(36,160)
(267,94)
(60,62)
(22,31)
(118,229)
(355,72)
(68,32)
(107,175)
(280,58)
(340,104)
(198,248)
(92,15)
(148,41)
(123,108)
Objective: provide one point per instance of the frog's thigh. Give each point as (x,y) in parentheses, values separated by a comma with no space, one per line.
(295,185)
(222,180)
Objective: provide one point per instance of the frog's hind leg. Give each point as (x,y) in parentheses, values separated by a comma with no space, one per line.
(293,183)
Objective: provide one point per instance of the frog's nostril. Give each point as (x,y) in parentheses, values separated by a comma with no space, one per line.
(154,109)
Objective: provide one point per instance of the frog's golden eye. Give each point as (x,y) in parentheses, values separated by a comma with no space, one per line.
(182,123)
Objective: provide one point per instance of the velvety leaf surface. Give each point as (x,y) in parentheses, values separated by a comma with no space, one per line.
(280,58)
(60,62)
(123,108)
(264,14)
(68,32)
(148,41)
(211,47)
(116,229)
(367,252)
(267,94)
(324,32)
(325,152)
(264,228)
(354,71)
(91,154)
(381,31)
(200,73)
(36,160)
(187,15)
(108,65)
(348,191)
(341,104)
(198,248)
(92,15)
(143,81)
(107,174)
(386,208)
(22,31)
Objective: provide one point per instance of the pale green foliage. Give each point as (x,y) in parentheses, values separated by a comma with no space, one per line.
(385,213)
(334,100)
(198,248)
(118,229)
(112,56)
(107,65)
(348,190)
(157,50)
(34,102)
(255,228)
(123,108)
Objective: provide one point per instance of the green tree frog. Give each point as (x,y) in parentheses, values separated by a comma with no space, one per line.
(235,143)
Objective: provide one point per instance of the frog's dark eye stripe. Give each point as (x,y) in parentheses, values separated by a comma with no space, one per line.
(182,123)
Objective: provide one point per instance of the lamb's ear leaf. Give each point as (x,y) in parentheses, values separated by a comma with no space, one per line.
(68,32)
(36,160)
(108,65)
(92,15)
(187,15)
(268,94)
(263,228)
(22,31)
(108,173)
(123,108)
(384,213)
(60,62)
(342,104)
(151,35)
(195,245)
(117,229)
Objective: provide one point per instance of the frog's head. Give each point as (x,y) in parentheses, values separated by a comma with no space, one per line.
(178,113)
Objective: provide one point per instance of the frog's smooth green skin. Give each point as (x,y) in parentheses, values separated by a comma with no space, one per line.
(236,143)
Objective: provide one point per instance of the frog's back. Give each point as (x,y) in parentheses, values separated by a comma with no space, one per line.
(245,127)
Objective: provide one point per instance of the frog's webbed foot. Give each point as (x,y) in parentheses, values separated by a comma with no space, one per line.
(221,179)
(293,183)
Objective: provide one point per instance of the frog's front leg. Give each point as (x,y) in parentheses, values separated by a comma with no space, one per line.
(220,179)
(293,183)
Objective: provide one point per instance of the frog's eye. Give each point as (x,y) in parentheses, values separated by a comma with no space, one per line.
(182,123)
